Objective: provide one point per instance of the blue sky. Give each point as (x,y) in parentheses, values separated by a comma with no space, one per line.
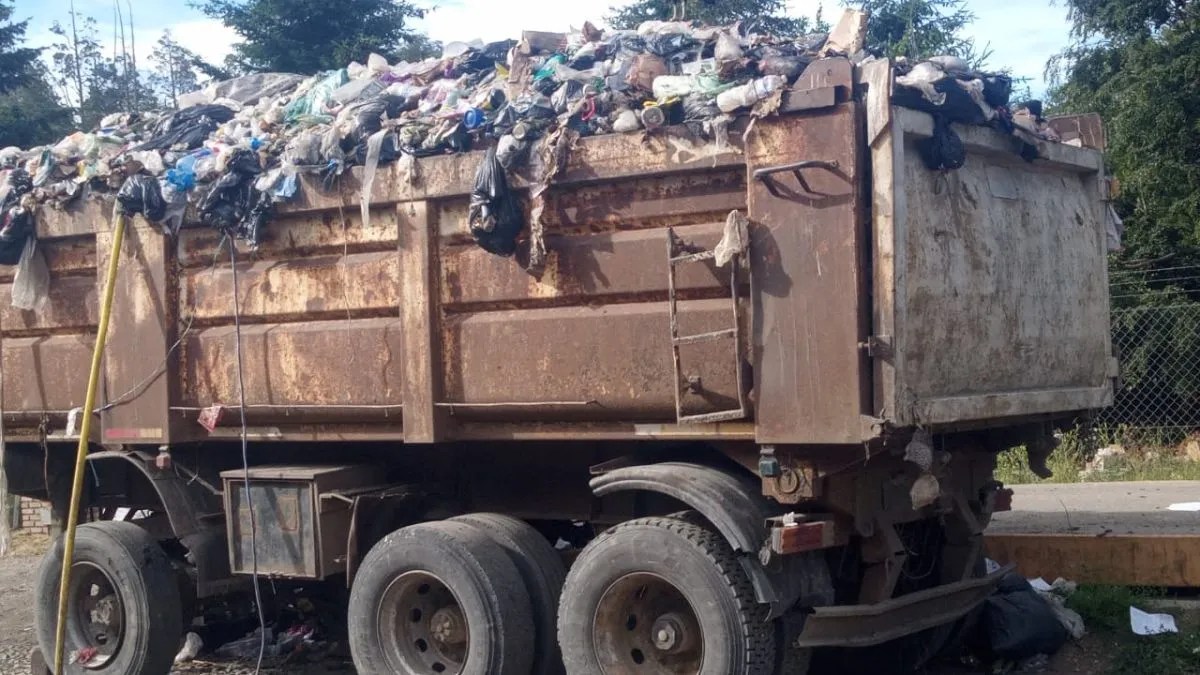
(1022,33)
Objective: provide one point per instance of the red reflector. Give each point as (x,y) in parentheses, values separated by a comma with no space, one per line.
(802,537)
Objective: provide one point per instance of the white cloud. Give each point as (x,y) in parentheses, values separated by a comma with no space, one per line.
(210,39)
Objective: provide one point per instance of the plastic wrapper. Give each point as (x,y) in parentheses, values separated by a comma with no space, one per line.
(31,281)
(141,194)
(176,206)
(315,102)
(495,215)
(374,148)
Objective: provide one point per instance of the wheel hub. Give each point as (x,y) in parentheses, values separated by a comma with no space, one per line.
(422,628)
(448,626)
(96,627)
(644,624)
(670,633)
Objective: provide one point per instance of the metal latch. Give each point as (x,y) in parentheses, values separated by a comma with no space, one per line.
(877,346)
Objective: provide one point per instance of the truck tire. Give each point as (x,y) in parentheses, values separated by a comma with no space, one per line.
(543,572)
(429,595)
(663,595)
(124,602)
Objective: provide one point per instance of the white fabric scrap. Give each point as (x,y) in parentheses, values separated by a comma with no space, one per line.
(1144,623)
(1185,506)
(734,240)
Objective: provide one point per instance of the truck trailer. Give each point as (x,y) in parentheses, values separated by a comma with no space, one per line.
(748,413)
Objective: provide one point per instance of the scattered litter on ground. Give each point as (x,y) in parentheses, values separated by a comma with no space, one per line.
(192,644)
(1143,623)
(1185,506)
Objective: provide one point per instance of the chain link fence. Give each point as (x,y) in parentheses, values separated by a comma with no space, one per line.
(1158,395)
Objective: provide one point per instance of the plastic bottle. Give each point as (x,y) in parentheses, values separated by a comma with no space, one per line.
(750,93)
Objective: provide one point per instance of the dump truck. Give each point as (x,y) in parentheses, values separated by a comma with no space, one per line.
(643,459)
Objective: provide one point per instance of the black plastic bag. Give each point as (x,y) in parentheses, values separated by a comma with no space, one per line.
(142,194)
(944,151)
(19,184)
(495,215)
(957,107)
(1016,622)
(997,90)
(188,127)
(233,205)
(16,226)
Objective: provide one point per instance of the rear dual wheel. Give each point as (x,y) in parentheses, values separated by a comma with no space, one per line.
(469,596)
(663,596)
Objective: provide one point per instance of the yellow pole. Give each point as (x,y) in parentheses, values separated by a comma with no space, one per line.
(85,428)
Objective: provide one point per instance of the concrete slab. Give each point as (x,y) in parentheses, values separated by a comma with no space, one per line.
(1100,509)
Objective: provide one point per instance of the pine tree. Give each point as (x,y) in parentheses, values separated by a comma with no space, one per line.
(306,36)
(15,60)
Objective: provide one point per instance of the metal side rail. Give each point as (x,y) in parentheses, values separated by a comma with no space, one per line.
(867,625)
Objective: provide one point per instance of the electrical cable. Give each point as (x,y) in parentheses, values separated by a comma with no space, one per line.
(237,348)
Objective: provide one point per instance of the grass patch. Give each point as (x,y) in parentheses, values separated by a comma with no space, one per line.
(1069,462)
(1105,611)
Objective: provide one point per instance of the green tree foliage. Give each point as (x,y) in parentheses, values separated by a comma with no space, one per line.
(306,36)
(770,15)
(918,29)
(175,70)
(16,61)
(1137,63)
(31,113)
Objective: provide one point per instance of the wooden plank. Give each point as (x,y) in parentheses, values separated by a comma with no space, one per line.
(1122,560)
(424,422)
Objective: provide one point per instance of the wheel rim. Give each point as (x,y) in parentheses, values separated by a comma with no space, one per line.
(422,627)
(97,616)
(645,624)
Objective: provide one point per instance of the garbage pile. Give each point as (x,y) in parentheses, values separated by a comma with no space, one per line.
(948,89)
(234,150)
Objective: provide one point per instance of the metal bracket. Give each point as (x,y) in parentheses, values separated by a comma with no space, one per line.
(877,346)
(766,175)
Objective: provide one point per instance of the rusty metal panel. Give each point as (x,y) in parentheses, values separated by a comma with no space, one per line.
(655,201)
(424,422)
(299,235)
(594,159)
(139,379)
(580,267)
(300,287)
(72,307)
(344,363)
(45,373)
(1002,309)
(82,217)
(806,261)
(584,362)
(300,532)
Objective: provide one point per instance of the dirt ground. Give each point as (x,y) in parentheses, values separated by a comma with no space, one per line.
(17,638)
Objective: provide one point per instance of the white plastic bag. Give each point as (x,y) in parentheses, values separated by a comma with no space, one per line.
(31,283)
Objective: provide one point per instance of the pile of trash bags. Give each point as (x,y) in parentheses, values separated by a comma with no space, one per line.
(235,149)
